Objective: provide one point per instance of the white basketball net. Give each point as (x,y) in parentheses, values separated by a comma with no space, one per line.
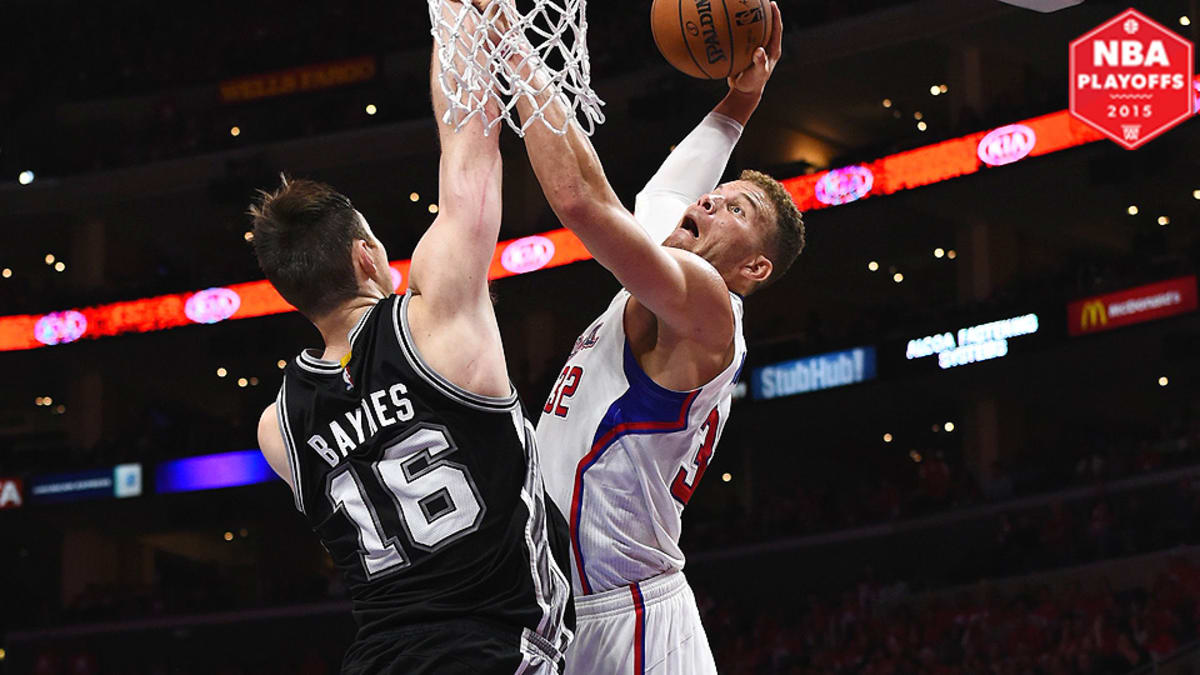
(473,47)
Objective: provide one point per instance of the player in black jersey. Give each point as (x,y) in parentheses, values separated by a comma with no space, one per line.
(403,440)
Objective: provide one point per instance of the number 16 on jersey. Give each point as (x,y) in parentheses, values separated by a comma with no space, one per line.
(435,499)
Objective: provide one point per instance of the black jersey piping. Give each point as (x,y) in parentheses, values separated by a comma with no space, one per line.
(289,444)
(433,378)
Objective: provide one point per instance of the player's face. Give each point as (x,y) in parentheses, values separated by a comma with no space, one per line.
(726,227)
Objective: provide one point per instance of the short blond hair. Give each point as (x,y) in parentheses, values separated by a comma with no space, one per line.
(785,241)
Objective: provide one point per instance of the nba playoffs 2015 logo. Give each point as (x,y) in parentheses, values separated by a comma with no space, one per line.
(1131,79)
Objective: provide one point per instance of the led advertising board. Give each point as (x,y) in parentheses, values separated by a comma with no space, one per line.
(121,481)
(813,373)
(210,472)
(1133,305)
(972,344)
(11,494)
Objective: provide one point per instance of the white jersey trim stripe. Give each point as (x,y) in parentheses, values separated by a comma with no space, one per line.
(433,378)
(289,443)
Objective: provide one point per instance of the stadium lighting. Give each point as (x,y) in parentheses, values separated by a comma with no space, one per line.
(915,456)
(371,109)
(228,536)
(60,266)
(433,208)
(935,90)
(939,252)
(1195,194)
(6,272)
(897,277)
(921,126)
(248,236)
(873,266)
(254,382)
(1163,381)
(952,254)
(887,438)
(25,177)
(281,364)
(1163,220)
(414,197)
(918,116)
(49,258)
(887,102)
(242,382)
(235,131)
(1185,21)
(60,409)
(948,426)
(1132,210)
(221,372)
(726,477)
(943,88)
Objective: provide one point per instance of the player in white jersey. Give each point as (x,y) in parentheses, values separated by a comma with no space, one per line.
(637,411)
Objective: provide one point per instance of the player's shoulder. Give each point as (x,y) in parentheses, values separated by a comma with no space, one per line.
(710,309)
(268,427)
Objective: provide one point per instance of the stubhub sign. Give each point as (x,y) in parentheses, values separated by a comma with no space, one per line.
(813,373)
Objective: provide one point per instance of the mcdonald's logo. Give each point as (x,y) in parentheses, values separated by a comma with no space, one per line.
(1092,315)
(1132,305)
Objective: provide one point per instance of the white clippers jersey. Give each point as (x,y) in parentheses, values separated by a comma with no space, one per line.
(621,454)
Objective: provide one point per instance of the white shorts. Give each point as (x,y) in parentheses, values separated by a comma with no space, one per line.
(649,627)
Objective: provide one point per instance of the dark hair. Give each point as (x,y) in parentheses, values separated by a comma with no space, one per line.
(785,242)
(303,235)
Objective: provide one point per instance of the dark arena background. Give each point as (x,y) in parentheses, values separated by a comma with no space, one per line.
(895,492)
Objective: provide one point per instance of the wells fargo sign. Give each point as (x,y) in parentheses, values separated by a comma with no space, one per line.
(296,80)
(1135,305)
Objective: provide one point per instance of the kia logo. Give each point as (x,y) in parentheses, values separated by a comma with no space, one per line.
(1006,145)
(527,254)
(212,305)
(845,185)
(58,328)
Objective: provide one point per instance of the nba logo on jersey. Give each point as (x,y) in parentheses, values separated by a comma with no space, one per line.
(346,378)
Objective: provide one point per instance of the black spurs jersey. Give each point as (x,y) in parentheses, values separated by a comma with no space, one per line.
(428,497)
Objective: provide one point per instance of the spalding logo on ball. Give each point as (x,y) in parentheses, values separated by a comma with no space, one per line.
(710,39)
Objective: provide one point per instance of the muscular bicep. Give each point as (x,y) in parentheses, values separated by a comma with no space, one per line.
(683,290)
(270,442)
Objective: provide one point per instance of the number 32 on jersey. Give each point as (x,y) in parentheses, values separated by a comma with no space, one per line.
(568,383)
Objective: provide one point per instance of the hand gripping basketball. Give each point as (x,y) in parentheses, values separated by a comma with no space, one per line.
(753,80)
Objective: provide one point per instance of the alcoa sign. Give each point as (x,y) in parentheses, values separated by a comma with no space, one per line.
(975,343)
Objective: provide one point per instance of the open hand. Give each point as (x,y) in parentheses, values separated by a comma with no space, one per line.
(754,79)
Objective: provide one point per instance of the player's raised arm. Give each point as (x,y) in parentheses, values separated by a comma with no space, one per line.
(696,164)
(451,314)
(680,288)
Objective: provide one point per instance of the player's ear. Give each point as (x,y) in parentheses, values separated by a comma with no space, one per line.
(364,261)
(758,269)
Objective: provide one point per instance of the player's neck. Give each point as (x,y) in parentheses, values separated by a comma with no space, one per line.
(336,326)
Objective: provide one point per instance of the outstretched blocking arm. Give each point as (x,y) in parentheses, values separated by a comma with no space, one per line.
(692,169)
(678,287)
(696,164)
(451,314)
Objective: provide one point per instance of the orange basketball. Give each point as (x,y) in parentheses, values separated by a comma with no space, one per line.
(710,39)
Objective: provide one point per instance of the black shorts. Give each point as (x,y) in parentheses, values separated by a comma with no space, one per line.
(460,647)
